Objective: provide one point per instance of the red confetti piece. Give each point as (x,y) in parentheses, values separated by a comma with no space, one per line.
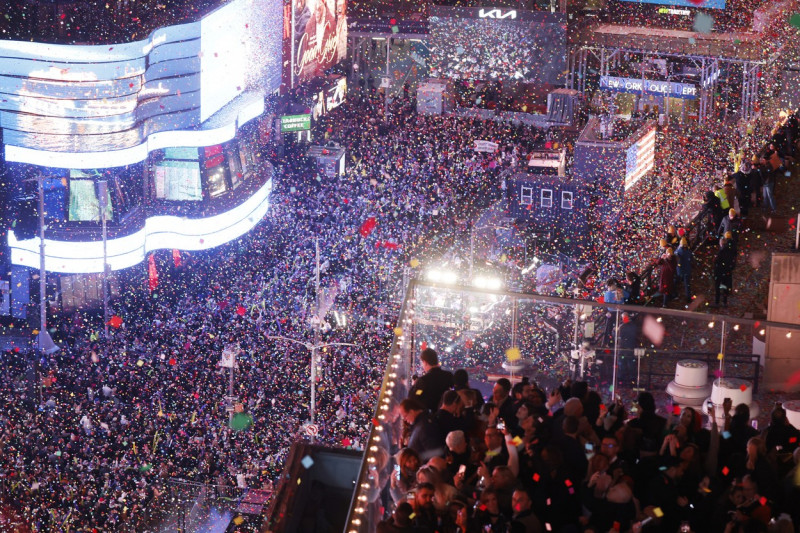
(676,409)
(567,482)
(536,477)
(241,311)
(115,322)
(762,500)
(725,470)
(173,362)
(743,387)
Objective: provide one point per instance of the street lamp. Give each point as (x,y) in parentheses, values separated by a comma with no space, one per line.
(313,349)
(44,341)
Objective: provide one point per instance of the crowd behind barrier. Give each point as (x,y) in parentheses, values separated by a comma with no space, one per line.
(530,460)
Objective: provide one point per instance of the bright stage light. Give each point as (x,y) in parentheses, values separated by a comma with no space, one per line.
(438,275)
(487,282)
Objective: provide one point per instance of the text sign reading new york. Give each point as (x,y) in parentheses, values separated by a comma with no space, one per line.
(662,88)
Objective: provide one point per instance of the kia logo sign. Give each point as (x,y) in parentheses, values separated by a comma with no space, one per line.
(497,14)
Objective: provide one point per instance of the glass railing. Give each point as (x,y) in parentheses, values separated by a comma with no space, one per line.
(684,358)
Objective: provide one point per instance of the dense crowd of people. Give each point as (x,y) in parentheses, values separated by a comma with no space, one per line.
(527,460)
(114,420)
(480,49)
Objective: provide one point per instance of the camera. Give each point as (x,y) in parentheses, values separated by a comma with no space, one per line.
(501,424)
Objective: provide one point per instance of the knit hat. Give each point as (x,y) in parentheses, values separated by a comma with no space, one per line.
(732,212)
(684,242)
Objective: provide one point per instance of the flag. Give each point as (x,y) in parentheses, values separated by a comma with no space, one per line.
(368,226)
(640,158)
(152,273)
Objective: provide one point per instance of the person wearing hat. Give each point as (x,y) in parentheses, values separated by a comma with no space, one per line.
(723,272)
(731,194)
(742,180)
(671,237)
(731,223)
(684,272)
(666,281)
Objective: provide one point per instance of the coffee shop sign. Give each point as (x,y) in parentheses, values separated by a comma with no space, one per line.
(662,88)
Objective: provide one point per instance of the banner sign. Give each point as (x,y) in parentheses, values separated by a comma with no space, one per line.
(485,146)
(291,123)
(662,88)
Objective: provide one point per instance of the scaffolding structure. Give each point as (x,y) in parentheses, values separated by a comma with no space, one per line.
(584,59)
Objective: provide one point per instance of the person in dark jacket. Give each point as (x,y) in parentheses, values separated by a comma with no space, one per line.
(723,271)
(424,436)
(742,180)
(430,387)
(712,209)
(685,260)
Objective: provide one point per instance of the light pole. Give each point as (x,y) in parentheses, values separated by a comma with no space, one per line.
(313,349)
(102,188)
(46,344)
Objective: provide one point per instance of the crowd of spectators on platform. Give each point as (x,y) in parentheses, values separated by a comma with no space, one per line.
(528,460)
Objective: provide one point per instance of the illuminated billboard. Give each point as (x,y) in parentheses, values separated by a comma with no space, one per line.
(75,106)
(291,123)
(318,37)
(158,232)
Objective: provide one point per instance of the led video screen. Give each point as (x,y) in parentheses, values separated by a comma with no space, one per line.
(319,37)
(224,57)
(498,44)
(84,203)
(178,180)
(708,4)
(63,100)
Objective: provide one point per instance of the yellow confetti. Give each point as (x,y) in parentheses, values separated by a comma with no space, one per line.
(238,520)
(414,263)
(516,441)
(720,357)
(512,354)
(35,332)
(419,392)
(299,481)
(658,512)
(398,331)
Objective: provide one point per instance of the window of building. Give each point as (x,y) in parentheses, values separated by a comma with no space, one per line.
(566,200)
(526,194)
(547,198)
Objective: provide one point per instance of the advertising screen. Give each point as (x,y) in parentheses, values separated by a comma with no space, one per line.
(319,37)
(86,106)
(708,4)
(84,204)
(291,123)
(224,56)
(498,44)
(178,180)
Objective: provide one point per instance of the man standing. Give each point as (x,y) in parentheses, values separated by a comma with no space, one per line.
(430,387)
(684,255)
(723,272)
(423,435)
